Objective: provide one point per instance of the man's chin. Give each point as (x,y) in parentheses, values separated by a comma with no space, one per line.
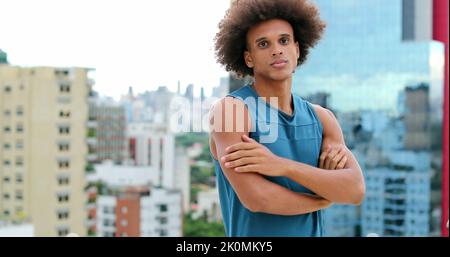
(281,76)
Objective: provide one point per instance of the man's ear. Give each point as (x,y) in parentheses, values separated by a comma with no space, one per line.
(248,59)
(297,47)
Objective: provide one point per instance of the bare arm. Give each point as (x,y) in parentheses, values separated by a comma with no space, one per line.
(342,185)
(254,191)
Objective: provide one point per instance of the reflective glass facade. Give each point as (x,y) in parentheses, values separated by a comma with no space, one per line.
(385,88)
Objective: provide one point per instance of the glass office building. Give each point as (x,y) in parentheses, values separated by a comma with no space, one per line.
(378,69)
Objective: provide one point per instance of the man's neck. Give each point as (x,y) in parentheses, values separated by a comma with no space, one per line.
(279,89)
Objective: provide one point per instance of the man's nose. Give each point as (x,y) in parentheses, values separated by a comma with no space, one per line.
(277,52)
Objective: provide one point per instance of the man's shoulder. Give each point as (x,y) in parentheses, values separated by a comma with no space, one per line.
(229,110)
(322,110)
(329,121)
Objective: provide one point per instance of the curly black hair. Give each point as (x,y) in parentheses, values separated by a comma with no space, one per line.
(231,40)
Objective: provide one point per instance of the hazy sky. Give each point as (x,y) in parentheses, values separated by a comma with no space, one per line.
(139,43)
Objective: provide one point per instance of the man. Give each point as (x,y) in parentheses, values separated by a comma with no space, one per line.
(276,187)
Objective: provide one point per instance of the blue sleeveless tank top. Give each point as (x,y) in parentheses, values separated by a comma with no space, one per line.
(297,137)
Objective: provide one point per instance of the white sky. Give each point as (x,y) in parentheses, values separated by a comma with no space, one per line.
(139,43)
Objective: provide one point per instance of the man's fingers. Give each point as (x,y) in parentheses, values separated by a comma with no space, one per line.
(238,154)
(335,161)
(241,162)
(240,146)
(342,163)
(322,159)
(330,157)
(323,156)
(248,168)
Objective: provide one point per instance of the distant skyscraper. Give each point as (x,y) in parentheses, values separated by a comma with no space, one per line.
(154,145)
(189,93)
(109,119)
(223,89)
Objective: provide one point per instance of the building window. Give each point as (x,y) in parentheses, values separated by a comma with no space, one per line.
(63,181)
(63,164)
(19,178)
(124,223)
(6,179)
(108,234)
(162,220)
(7,129)
(63,215)
(64,114)
(19,128)
(7,89)
(19,209)
(7,113)
(6,196)
(19,110)
(163,232)
(63,231)
(19,144)
(124,209)
(6,146)
(108,223)
(64,88)
(64,130)
(6,162)
(6,212)
(19,195)
(19,161)
(163,208)
(63,147)
(63,197)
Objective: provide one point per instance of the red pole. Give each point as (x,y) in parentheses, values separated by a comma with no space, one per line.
(440,33)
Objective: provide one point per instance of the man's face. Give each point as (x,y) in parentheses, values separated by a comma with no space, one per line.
(272,52)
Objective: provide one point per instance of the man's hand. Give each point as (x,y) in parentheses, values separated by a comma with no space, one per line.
(334,157)
(251,156)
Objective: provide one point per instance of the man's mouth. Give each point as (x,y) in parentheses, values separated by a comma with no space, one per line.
(280,63)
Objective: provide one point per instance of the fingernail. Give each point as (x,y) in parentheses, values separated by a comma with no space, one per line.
(223,158)
(237,169)
(227,164)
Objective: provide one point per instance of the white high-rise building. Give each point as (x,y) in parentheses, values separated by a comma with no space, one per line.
(154,145)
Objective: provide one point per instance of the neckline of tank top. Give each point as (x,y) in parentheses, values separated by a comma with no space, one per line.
(283,114)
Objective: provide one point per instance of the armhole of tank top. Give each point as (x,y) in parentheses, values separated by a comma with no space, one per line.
(319,122)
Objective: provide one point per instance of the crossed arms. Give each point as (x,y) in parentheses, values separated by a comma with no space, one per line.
(338,179)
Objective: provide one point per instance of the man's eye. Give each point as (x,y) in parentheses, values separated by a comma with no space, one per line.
(284,41)
(263,44)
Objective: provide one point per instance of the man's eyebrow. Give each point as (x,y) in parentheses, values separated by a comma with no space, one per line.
(264,38)
(260,39)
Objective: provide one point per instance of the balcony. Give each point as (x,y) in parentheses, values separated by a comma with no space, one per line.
(91,157)
(90,82)
(90,206)
(91,132)
(89,168)
(91,124)
(90,223)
